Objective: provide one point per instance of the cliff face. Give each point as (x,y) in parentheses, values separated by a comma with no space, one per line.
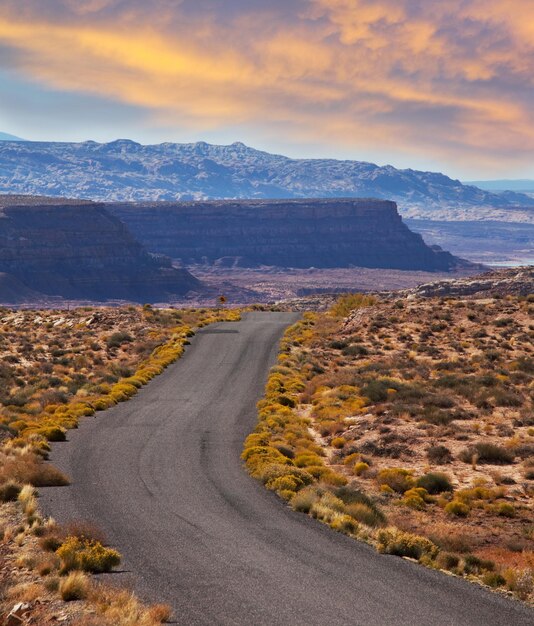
(287,233)
(78,250)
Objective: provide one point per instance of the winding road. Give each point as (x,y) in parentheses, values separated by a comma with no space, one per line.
(161,475)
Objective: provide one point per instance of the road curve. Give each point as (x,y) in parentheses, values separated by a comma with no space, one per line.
(161,474)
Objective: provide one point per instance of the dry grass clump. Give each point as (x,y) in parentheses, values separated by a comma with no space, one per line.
(122,608)
(75,586)
(24,465)
(487,453)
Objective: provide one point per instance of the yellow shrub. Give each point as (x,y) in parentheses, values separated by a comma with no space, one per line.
(398,479)
(458,508)
(338,442)
(400,543)
(307,459)
(416,498)
(86,554)
(360,468)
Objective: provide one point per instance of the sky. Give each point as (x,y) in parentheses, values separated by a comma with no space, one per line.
(426,84)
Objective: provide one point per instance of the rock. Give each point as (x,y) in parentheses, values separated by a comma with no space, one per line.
(18,614)
(288,233)
(500,283)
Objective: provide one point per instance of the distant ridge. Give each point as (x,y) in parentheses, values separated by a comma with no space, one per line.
(520,185)
(124,170)
(8,137)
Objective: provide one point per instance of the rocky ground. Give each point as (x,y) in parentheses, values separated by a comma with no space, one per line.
(270,285)
(517,281)
(418,385)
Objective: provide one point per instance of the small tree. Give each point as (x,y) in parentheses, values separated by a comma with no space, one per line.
(221,300)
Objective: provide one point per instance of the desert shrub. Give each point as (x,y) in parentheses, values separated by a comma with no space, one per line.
(350,496)
(87,555)
(75,586)
(360,468)
(506,509)
(439,455)
(475,565)
(415,498)
(118,338)
(9,491)
(344,524)
(355,350)
(502,397)
(52,433)
(448,561)
(400,543)
(441,401)
(493,579)
(347,303)
(520,581)
(285,400)
(435,482)
(377,390)
(524,451)
(338,442)
(285,479)
(29,467)
(305,499)
(51,542)
(305,459)
(338,344)
(398,479)
(333,478)
(46,566)
(480,492)
(438,417)
(327,507)
(525,364)
(487,453)
(457,508)
(331,511)
(365,514)
(258,457)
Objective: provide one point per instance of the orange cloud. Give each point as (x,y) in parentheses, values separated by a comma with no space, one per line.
(453,80)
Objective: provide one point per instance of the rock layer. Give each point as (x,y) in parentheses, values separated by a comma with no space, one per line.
(77,250)
(288,233)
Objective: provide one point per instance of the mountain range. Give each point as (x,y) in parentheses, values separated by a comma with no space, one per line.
(124,170)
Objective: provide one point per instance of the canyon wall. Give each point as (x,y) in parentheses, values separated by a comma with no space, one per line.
(77,250)
(288,233)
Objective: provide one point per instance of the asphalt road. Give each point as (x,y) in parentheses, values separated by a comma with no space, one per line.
(161,474)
